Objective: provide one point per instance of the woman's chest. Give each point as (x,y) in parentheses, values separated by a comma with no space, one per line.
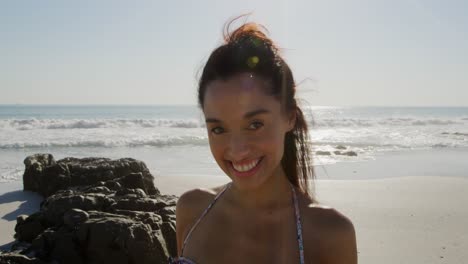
(245,239)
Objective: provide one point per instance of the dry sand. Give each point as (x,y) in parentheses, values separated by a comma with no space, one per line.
(14,202)
(421,219)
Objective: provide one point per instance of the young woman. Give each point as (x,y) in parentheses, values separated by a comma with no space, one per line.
(258,137)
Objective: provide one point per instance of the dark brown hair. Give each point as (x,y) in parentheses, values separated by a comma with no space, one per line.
(248,49)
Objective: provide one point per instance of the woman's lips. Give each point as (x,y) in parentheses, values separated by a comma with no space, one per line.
(251,171)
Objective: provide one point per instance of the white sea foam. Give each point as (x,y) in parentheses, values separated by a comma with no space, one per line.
(362,122)
(107,142)
(34,123)
(172,134)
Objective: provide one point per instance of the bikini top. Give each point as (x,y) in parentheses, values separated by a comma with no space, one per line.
(183,260)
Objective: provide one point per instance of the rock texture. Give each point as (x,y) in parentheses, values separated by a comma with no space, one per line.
(46,176)
(96,210)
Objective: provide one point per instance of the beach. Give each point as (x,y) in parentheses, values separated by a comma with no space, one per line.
(14,202)
(101,99)
(401,219)
(404,189)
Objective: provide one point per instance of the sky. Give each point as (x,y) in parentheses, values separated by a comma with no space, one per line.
(342,53)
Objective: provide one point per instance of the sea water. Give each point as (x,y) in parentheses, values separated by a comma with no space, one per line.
(172,140)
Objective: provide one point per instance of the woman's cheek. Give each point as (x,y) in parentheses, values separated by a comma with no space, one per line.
(215,144)
(271,135)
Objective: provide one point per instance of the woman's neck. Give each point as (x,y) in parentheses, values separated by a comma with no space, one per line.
(272,194)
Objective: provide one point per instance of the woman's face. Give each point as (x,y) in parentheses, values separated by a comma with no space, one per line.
(246,129)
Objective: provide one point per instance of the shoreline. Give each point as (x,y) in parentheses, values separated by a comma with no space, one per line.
(165,163)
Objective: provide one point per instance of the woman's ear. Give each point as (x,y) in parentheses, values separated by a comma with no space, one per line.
(291,120)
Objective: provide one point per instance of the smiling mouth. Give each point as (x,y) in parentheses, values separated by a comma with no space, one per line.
(246,169)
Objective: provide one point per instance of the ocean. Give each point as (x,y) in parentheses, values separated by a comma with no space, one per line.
(172,140)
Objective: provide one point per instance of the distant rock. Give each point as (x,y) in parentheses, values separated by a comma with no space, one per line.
(323,153)
(349,153)
(345,153)
(340,147)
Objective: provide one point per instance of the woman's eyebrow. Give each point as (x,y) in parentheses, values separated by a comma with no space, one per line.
(246,115)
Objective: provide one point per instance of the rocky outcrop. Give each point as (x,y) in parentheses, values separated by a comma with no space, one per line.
(46,176)
(96,210)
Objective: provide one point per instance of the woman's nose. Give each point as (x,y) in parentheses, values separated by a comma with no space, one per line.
(239,148)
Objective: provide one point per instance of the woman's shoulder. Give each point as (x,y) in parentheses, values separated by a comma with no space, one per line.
(332,231)
(190,207)
(326,217)
(197,198)
(192,203)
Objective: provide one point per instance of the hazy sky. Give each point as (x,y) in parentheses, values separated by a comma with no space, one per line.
(148,52)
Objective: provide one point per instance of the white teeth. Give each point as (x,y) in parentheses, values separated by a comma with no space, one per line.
(247,167)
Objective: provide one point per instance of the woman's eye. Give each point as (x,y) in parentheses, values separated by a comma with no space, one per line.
(256,125)
(217,130)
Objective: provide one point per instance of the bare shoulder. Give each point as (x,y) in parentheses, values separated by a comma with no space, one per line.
(190,206)
(331,233)
(193,202)
(193,198)
(328,218)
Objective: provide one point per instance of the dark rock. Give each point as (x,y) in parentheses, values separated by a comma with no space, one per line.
(20,246)
(96,210)
(325,153)
(142,204)
(113,185)
(349,153)
(34,166)
(44,243)
(55,177)
(65,249)
(168,229)
(346,153)
(14,258)
(340,147)
(137,193)
(88,171)
(29,228)
(46,176)
(20,219)
(54,207)
(74,217)
(98,189)
(118,239)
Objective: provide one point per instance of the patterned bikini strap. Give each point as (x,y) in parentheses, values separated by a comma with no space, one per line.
(202,215)
(298,225)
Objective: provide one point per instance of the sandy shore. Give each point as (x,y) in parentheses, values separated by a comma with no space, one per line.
(420,219)
(14,202)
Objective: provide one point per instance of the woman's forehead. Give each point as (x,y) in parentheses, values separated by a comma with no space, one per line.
(238,95)
(238,84)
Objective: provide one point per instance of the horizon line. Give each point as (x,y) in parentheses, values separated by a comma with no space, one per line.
(313,106)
